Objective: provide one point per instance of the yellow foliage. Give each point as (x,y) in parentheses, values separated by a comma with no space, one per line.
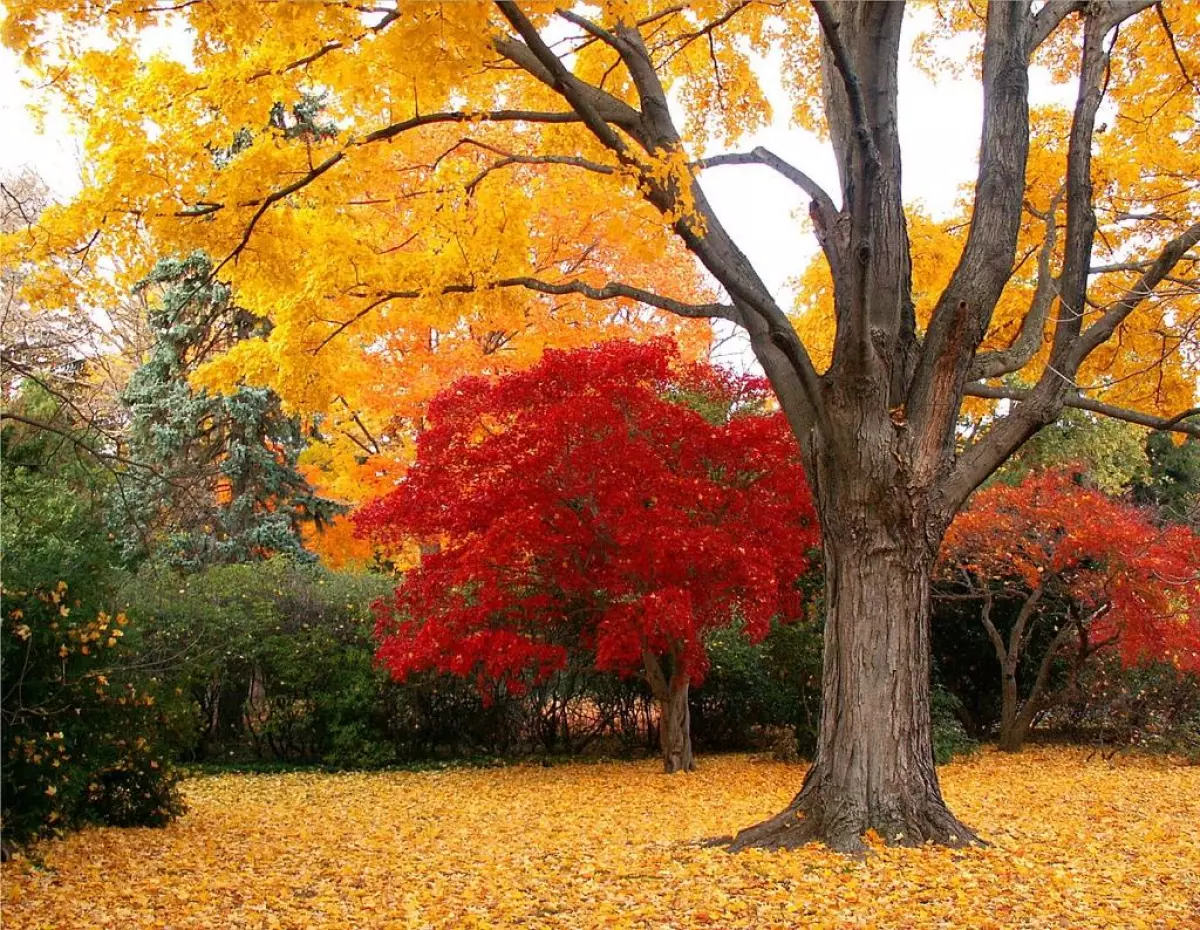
(1078,843)
(379,257)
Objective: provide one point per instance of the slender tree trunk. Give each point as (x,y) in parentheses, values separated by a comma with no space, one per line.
(1016,717)
(670,690)
(874,764)
(1014,728)
(675,727)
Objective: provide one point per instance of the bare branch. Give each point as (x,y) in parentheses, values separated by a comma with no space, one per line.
(513,158)
(683,40)
(328,47)
(1175,423)
(610,291)
(1166,25)
(1160,268)
(763,156)
(97,454)
(380,135)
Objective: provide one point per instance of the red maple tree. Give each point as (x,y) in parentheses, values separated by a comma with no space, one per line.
(1094,572)
(612,499)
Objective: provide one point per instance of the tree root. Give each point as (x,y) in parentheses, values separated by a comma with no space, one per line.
(841,827)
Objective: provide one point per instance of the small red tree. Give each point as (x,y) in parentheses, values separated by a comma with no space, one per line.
(1092,571)
(610,499)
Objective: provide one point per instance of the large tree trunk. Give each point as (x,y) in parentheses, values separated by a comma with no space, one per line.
(874,764)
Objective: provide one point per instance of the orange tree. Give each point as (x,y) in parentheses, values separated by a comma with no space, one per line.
(525,167)
(1073,572)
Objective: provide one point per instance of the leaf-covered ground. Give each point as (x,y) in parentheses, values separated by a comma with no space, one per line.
(1078,843)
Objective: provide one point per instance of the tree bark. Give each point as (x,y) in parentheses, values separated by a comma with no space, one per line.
(1014,729)
(874,765)
(675,728)
(1015,717)
(670,692)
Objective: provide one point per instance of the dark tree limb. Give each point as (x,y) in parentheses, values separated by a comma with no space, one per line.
(763,156)
(963,312)
(610,291)
(850,81)
(783,356)
(1177,423)
(587,101)
(1048,18)
(331,46)
(380,135)
(1157,271)
(98,454)
(1025,344)
(1056,385)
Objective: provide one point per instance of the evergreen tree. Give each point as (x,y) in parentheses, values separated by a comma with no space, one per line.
(224,485)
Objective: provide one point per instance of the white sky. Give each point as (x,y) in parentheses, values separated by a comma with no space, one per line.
(939,129)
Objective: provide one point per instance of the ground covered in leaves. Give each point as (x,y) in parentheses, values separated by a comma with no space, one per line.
(1078,842)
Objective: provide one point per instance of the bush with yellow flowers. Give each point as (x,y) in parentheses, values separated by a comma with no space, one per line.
(85,737)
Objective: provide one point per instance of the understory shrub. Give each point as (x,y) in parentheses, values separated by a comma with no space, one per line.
(1155,708)
(87,734)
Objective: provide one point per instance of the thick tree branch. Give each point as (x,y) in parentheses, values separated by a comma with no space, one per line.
(1056,387)
(584,99)
(1048,19)
(993,633)
(1081,217)
(614,290)
(1016,636)
(1025,345)
(771,332)
(607,107)
(515,158)
(841,59)
(963,312)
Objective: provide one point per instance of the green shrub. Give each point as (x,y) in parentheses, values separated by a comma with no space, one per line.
(87,735)
(950,738)
(276,658)
(751,688)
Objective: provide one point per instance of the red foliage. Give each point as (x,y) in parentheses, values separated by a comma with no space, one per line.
(1140,581)
(584,503)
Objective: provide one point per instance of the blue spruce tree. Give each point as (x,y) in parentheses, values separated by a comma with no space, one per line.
(223,484)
